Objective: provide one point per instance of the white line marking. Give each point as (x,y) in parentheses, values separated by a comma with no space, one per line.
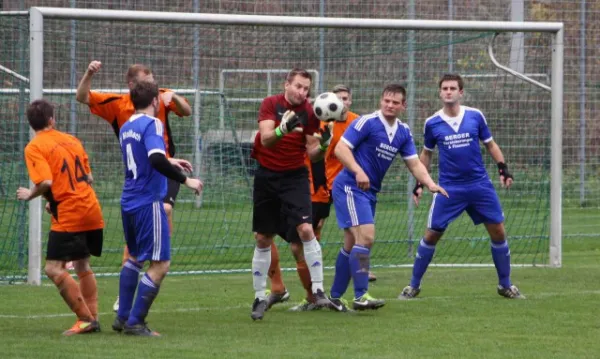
(285,305)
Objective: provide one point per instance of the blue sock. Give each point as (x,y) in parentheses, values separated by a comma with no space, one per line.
(342,275)
(422,259)
(147,291)
(501,256)
(359,267)
(128,282)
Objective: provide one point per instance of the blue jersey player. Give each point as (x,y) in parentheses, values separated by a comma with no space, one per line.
(367,150)
(145,222)
(457,131)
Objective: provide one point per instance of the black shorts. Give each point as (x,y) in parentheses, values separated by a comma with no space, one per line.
(72,246)
(172,192)
(320,211)
(281,200)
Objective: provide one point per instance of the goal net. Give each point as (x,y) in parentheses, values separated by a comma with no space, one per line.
(224,71)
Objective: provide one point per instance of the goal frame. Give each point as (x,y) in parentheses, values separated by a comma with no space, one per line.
(36,71)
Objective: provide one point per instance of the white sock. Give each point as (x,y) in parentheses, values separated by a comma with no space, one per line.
(314,261)
(260,268)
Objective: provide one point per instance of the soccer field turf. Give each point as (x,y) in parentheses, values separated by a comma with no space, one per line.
(458,315)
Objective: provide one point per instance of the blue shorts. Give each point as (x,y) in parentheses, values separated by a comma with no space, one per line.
(353,206)
(147,234)
(478,199)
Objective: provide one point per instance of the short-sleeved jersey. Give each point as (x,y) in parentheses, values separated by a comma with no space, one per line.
(116,109)
(59,157)
(375,143)
(458,139)
(290,151)
(322,173)
(140,137)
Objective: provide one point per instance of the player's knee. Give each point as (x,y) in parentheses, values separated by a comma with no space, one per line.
(158,270)
(263,240)
(497,232)
(168,209)
(433,235)
(305,231)
(366,241)
(82,265)
(53,269)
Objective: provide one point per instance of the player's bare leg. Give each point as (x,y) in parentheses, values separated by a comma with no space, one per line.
(278,293)
(71,294)
(501,257)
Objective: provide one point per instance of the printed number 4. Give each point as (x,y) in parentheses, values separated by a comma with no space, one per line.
(131,161)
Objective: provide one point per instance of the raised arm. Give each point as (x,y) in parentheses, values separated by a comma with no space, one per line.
(85,85)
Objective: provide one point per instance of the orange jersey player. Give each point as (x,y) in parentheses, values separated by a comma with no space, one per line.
(116,109)
(59,168)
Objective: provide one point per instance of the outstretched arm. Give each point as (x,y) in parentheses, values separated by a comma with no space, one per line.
(85,85)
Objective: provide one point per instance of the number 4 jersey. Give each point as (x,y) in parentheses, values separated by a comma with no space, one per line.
(59,157)
(140,137)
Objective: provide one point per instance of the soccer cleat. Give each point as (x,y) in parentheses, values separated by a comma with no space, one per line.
(116,305)
(96,326)
(372,277)
(80,327)
(140,330)
(339,305)
(511,292)
(275,298)
(321,300)
(259,307)
(304,306)
(118,324)
(409,293)
(367,302)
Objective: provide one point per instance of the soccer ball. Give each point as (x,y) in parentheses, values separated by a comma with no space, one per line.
(328,107)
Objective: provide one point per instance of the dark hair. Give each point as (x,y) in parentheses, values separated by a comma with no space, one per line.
(394,88)
(134,70)
(143,93)
(39,113)
(298,72)
(341,88)
(452,77)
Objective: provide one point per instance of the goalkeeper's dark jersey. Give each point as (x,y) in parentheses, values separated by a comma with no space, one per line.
(289,153)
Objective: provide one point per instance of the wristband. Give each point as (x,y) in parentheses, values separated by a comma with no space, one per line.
(278,133)
(323,148)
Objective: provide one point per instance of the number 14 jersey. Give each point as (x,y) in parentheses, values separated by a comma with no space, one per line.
(59,157)
(140,137)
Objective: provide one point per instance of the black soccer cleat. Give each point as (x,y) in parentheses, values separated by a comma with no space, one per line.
(258,309)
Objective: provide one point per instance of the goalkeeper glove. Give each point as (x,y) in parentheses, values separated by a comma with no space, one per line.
(325,135)
(503,171)
(418,186)
(289,122)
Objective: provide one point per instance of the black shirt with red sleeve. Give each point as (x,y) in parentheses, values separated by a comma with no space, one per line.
(289,152)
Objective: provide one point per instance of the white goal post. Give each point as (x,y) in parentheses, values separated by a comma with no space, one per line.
(36,28)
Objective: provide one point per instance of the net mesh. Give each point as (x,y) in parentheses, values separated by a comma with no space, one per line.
(233,68)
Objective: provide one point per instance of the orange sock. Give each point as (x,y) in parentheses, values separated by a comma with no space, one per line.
(277,285)
(69,290)
(125,256)
(304,275)
(89,291)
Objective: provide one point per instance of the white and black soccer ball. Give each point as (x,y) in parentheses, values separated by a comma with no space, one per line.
(328,107)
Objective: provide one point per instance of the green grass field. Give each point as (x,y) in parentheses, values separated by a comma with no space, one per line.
(458,315)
